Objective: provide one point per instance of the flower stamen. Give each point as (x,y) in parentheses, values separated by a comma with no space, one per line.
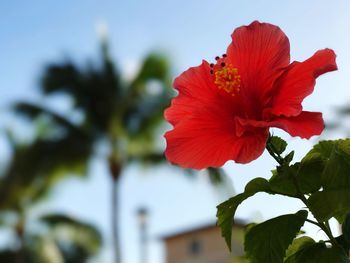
(228,79)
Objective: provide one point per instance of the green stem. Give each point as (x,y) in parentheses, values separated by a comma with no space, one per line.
(281,161)
(312,222)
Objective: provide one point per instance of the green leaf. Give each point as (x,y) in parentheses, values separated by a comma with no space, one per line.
(336,157)
(323,149)
(308,174)
(257,185)
(225,214)
(330,203)
(240,260)
(282,180)
(289,157)
(346,230)
(342,242)
(278,144)
(226,210)
(268,241)
(248,227)
(334,200)
(317,253)
(336,172)
(298,244)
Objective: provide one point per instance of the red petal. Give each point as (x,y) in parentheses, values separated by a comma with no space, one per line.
(305,125)
(206,142)
(198,94)
(259,51)
(299,80)
(181,107)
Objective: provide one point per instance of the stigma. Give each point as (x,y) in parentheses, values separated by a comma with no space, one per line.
(226,78)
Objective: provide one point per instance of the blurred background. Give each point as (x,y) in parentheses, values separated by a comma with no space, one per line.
(83,87)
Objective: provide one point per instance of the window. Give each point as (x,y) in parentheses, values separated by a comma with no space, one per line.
(195,247)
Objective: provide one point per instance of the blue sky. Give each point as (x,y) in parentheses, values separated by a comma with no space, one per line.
(33,33)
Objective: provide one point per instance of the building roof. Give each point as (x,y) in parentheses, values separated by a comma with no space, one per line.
(192,230)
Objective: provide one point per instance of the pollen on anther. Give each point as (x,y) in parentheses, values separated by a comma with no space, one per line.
(211,65)
(228,79)
(223,64)
(224,55)
(217,58)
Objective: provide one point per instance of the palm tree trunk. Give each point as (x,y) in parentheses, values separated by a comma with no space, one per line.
(115,169)
(115,217)
(20,237)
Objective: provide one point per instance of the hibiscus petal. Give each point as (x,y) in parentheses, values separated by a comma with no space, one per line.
(198,94)
(259,51)
(305,125)
(204,142)
(181,107)
(196,82)
(299,80)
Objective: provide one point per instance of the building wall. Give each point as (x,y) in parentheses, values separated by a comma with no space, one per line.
(204,246)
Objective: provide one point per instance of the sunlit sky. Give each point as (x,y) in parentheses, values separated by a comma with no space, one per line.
(33,33)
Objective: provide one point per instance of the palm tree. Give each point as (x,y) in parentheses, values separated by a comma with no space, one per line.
(125,115)
(27,180)
(128,115)
(338,124)
(63,240)
(76,240)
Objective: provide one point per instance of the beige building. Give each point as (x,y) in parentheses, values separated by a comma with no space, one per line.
(203,245)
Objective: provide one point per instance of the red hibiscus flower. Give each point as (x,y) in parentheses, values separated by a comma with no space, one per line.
(224,110)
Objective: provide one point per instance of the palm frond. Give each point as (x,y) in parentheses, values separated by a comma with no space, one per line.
(33,111)
(78,233)
(35,168)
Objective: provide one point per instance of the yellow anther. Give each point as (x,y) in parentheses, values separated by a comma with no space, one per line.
(227,78)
